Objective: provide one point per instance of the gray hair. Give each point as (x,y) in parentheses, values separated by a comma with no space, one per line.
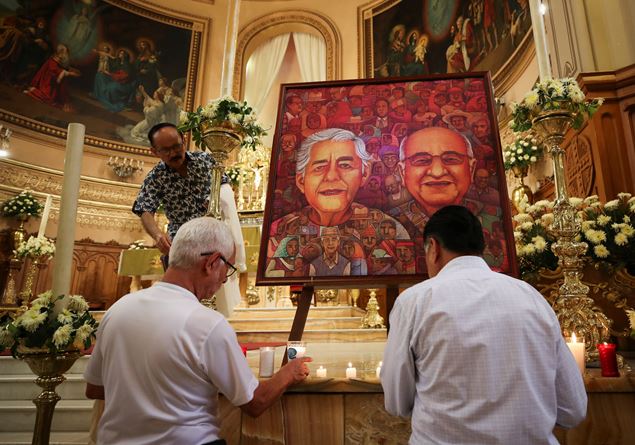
(197,236)
(468,146)
(330,134)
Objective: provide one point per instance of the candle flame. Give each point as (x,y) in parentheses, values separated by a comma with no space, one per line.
(350,365)
(321,367)
(574,339)
(381,364)
(605,344)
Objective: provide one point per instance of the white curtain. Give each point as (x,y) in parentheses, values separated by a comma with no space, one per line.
(262,70)
(311,52)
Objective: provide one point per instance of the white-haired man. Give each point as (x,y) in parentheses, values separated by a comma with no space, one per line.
(331,166)
(162,358)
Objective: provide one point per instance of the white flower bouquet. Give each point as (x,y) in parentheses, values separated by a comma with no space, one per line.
(553,95)
(42,327)
(137,245)
(523,152)
(22,206)
(233,173)
(35,247)
(533,239)
(224,112)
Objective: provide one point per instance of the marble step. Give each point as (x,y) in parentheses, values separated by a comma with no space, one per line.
(322,336)
(266,324)
(69,438)
(11,366)
(23,387)
(314,312)
(70,416)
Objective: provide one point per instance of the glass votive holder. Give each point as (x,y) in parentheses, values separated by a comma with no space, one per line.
(267,359)
(295,349)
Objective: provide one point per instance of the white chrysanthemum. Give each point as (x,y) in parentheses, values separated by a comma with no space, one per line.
(531,99)
(611,205)
(586,225)
(539,242)
(631,200)
(65,317)
(621,239)
(533,159)
(526,226)
(601,251)
(590,199)
(62,335)
(519,151)
(547,219)
(182,117)
(76,303)
(603,220)
(575,202)
(83,332)
(626,219)
(595,236)
(529,249)
(522,217)
(576,95)
(32,319)
(631,319)
(627,230)
(595,204)
(518,235)
(44,299)
(542,203)
(525,143)
(624,195)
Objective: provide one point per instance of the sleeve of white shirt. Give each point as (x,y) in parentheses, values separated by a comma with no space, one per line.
(570,390)
(226,366)
(398,369)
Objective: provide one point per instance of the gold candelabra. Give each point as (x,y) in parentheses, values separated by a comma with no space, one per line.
(575,309)
(124,167)
(372,319)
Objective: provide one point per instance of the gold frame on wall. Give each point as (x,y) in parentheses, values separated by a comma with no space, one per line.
(502,80)
(200,28)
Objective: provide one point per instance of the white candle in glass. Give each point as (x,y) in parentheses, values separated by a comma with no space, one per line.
(320,372)
(45,216)
(540,40)
(267,358)
(351,372)
(577,349)
(68,210)
(378,370)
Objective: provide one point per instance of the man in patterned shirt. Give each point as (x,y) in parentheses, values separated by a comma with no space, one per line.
(181,182)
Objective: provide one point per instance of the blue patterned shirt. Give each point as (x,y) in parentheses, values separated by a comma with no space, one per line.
(183,198)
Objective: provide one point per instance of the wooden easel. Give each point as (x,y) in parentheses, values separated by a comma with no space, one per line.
(304,304)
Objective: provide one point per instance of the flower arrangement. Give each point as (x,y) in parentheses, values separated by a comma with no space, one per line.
(35,247)
(137,245)
(606,228)
(22,206)
(523,152)
(42,327)
(233,173)
(551,95)
(224,112)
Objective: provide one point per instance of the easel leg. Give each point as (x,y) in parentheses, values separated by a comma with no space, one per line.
(299,320)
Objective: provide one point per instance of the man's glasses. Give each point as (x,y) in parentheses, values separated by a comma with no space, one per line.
(231,268)
(168,150)
(447,158)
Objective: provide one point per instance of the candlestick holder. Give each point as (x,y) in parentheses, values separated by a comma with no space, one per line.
(372,319)
(9,296)
(124,167)
(575,309)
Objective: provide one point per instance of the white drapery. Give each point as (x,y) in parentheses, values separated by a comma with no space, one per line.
(311,53)
(262,70)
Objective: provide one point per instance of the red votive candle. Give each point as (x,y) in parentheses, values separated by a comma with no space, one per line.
(608,360)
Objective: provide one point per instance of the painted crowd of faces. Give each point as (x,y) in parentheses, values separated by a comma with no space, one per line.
(390,201)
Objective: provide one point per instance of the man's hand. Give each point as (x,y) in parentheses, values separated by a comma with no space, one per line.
(296,370)
(163,243)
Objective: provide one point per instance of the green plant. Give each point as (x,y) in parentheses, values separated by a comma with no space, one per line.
(42,326)
(22,205)
(224,112)
(552,95)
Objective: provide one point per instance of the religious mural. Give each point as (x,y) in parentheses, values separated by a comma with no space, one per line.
(358,167)
(414,37)
(101,63)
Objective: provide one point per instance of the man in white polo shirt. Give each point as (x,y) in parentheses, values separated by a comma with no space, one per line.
(162,358)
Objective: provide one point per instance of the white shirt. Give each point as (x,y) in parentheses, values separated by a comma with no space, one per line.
(476,357)
(163,358)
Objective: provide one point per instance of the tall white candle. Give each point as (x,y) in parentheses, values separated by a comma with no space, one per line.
(267,355)
(68,210)
(378,370)
(45,216)
(577,349)
(351,372)
(540,39)
(231,39)
(320,372)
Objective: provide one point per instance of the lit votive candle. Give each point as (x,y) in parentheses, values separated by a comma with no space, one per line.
(378,370)
(320,372)
(577,349)
(351,372)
